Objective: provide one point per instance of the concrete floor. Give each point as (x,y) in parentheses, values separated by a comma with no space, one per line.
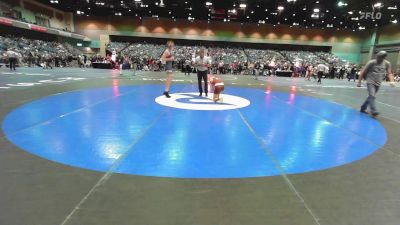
(36,191)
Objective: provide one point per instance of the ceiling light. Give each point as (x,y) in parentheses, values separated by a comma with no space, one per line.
(392,7)
(394,21)
(315,16)
(280,8)
(242,5)
(291,0)
(351,13)
(378,5)
(316,10)
(341,4)
(208,3)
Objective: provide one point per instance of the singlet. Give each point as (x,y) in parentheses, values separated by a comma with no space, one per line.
(168,64)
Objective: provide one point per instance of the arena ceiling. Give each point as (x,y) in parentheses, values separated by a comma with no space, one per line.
(326,14)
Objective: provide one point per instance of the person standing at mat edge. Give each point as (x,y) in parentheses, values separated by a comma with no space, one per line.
(12,58)
(168,59)
(202,63)
(374,72)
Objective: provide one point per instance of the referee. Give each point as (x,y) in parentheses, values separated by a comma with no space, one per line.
(202,62)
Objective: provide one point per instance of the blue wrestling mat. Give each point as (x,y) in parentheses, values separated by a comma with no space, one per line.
(134,130)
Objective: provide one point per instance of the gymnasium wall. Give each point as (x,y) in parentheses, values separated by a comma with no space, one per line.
(389,35)
(30,10)
(388,39)
(343,43)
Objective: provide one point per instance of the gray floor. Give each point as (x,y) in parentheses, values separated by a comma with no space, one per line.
(35,191)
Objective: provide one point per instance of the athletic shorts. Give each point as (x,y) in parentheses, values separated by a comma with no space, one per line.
(218,89)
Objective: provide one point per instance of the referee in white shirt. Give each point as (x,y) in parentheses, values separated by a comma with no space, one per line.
(202,63)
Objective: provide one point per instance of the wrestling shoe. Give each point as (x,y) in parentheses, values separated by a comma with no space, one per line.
(166,94)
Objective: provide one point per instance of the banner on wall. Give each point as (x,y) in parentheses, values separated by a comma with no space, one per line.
(63,33)
(38,28)
(5,21)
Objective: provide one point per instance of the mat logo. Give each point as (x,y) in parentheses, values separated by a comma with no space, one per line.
(192,101)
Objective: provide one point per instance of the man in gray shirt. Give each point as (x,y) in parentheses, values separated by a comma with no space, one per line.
(374,72)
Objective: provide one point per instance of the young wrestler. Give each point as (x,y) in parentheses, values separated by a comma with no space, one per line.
(218,86)
(168,59)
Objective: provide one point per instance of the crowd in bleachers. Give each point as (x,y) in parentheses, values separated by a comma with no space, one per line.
(231,60)
(39,53)
(145,56)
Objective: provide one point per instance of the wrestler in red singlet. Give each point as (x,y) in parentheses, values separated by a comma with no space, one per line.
(218,85)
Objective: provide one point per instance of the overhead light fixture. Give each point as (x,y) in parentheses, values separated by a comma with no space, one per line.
(80,12)
(291,0)
(242,5)
(378,5)
(341,4)
(361,28)
(394,21)
(208,3)
(315,15)
(392,7)
(316,10)
(54,1)
(280,8)
(351,12)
